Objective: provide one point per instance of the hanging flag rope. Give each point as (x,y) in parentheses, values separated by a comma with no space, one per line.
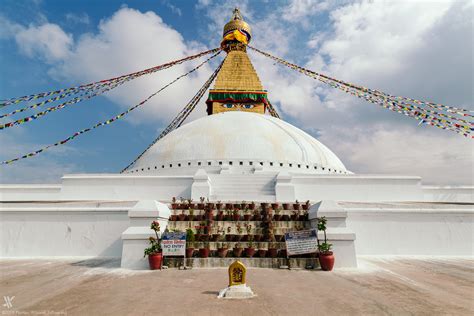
(84,96)
(71,90)
(182,115)
(109,121)
(271,109)
(421,113)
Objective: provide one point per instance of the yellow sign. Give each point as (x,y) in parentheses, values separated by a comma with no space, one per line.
(237,272)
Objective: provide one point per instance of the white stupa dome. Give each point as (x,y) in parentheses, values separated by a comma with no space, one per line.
(239,142)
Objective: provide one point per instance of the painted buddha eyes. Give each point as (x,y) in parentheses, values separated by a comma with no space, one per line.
(244,106)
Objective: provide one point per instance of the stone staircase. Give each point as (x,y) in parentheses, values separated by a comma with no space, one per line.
(238,187)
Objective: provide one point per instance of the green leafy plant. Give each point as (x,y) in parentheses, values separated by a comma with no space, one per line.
(155,242)
(324,247)
(190,238)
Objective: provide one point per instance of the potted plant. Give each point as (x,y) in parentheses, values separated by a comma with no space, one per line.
(236,214)
(190,238)
(191,214)
(181,204)
(282,253)
(295,214)
(229,206)
(304,215)
(219,205)
(250,250)
(155,256)
(247,214)
(248,228)
(275,205)
(272,251)
(277,216)
(326,256)
(201,203)
(209,215)
(229,236)
(228,215)
(240,230)
(190,203)
(258,234)
(174,204)
(237,251)
(306,205)
(210,205)
(222,249)
(204,250)
(220,215)
(182,216)
(296,205)
(264,205)
(174,216)
(286,206)
(256,215)
(243,205)
(252,206)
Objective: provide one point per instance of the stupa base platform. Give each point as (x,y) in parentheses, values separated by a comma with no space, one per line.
(241,291)
(272,263)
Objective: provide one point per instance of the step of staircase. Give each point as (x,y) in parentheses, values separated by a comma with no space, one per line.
(256,187)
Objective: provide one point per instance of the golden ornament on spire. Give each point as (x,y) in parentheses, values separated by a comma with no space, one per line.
(236,31)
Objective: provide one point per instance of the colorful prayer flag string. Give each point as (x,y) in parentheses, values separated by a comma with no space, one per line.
(107,122)
(75,89)
(420,110)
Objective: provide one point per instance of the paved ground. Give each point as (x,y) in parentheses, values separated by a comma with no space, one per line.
(390,286)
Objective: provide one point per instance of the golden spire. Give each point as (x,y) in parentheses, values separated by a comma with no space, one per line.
(236,32)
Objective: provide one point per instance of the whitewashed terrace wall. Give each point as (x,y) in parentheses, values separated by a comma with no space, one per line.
(357,188)
(448,193)
(407,231)
(124,187)
(62,231)
(29,192)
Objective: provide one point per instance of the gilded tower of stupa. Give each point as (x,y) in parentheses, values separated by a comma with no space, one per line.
(237,86)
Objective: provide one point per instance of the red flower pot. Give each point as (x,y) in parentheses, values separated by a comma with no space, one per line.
(174,206)
(262,253)
(219,206)
(200,206)
(155,261)
(277,217)
(286,206)
(257,217)
(173,218)
(222,252)
(237,252)
(305,207)
(229,237)
(211,205)
(229,206)
(275,206)
(189,252)
(296,206)
(204,252)
(264,205)
(236,217)
(252,206)
(326,260)
(182,217)
(285,217)
(249,252)
(247,217)
(220,216)
(272,252)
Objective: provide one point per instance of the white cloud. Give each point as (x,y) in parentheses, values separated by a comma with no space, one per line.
(47,41)
(78,18)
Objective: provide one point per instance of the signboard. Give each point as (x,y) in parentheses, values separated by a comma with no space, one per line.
(173,244)
(303,241)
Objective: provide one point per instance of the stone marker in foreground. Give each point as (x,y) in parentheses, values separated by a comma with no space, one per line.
(237,287)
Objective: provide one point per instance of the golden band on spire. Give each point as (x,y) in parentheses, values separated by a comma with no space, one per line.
(236,32)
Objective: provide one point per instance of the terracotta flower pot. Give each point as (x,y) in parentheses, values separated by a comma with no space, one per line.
(219,206)
(286,206)
(275,206)
(277,217)
(222,252)
(174,206)
(229,206)
(229,237)
(191,205)
(249,252)
(264,205)
(189,252)
(181,217)
(220,216)
(296,206)
(282,253)
(204,252)
(173,218)
(237,252)
(155,261)
(272,252)
(236,217)
(285,217)
(326,260)
(252,206)
(201,206)
(211,206)
(257,217)
(305,207)
(247,217)
(215,236)
(262,253)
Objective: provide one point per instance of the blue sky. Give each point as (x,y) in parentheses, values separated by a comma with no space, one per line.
(410,48)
